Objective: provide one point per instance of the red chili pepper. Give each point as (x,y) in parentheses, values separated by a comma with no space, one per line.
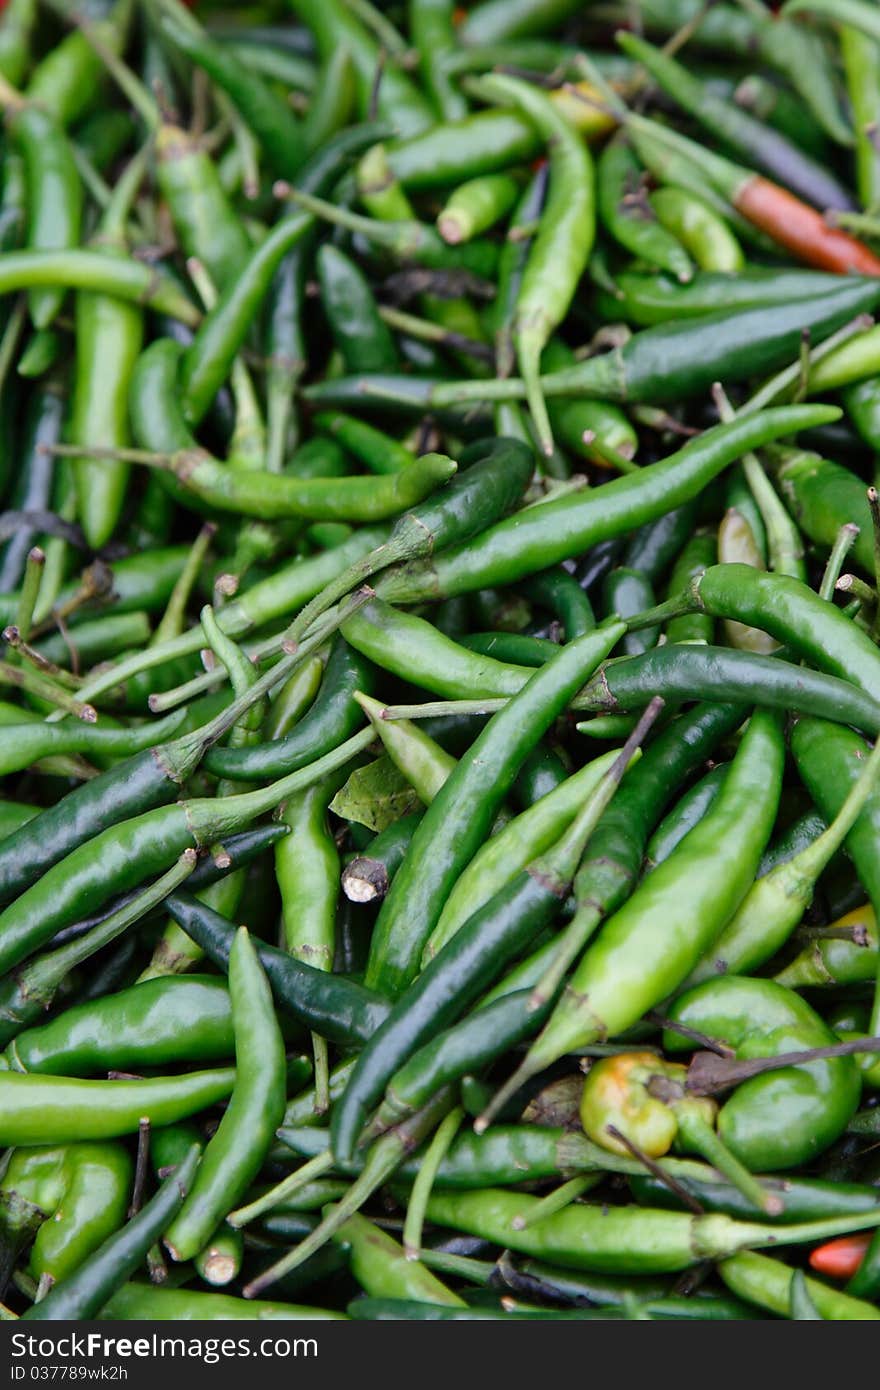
(840,1258)
(795,225)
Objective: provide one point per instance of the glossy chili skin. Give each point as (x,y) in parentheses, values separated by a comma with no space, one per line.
(829,760)
(781,1119)
(235,1153)
(196,478)
(626,213)
(33,484)
(121,792)
(792,613)
(760,145)
(86,1292)
(333,717)
(676,361)
(563,529)
(681,672)
(512,847)
(92,1187)
(60,1110)
(458,818)
(630,967)
(823,496)
(359,333)
(179,1019)
(332,1006)
(55,197)
(414,650)
(644,299)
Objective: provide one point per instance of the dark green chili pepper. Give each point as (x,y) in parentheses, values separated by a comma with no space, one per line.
(627,592)
(328,1004)
(481,947)
(760,145)
(358,331)
(804,1199)
(433,33)
(399,101)
(686,813)
(652,299)
(208,359)
(464,809)
(277,130)
(823,496)
(334,716)
(679,360)
(684,672)
(631,966)
(33,483)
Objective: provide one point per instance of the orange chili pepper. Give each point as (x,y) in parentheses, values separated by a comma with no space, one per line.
(840,1258)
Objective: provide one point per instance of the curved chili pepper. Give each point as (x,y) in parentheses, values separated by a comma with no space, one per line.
(330,1005)
(631,966)
(85,1292)
(236,1151)
(560,530)
(781,1118)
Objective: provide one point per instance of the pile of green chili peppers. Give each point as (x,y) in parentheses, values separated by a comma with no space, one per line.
(440,606)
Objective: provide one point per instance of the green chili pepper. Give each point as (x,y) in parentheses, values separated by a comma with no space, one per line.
(92,1184)
(651,299)
(683,672)
(782,1118)
(767,1283)
(624,1240)
(57,1110)
(628,216)
(760,145)
(278,132)
(861,63)
(84,1293)
(334,1007)
(159,1022)
(144,1302)
(382,1268)
(236,1152)
(335,25)
(631,967)
(675,361)
(55,197)
(563,529)
(348,301)
(491,937)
